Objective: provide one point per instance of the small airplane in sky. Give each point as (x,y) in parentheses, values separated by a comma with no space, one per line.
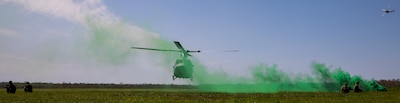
(387,10)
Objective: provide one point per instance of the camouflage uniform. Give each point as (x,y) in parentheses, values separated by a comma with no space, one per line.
(345,89)
(357,87)
(11,87)
(28,87)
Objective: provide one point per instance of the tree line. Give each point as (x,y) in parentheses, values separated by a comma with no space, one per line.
(387,83)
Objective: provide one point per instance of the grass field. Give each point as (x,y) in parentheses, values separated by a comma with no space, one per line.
(192,96)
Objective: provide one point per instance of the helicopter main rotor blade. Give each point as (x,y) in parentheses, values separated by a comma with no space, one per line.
(221,51)
(198,51)
(231,51)
(155,49)
(179,45)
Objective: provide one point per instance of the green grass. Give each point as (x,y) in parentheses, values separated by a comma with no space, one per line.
(176,95)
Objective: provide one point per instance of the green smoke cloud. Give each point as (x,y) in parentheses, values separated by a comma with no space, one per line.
(269,79)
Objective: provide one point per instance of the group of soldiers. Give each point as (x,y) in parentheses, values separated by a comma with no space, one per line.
(345,89)
(11,88)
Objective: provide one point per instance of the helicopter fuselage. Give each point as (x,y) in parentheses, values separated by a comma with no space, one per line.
(183,68)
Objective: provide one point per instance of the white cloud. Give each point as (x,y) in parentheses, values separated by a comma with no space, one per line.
(105,41)
(71,10)
(92,14)
(8,32)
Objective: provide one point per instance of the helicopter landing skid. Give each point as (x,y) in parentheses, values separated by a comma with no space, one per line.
(173,77)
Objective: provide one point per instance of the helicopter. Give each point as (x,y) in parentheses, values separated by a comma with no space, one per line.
(183,67)
(387,10)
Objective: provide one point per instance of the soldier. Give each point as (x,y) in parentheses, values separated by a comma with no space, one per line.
(345,89)
(11,88)
(357,87)
(28,87)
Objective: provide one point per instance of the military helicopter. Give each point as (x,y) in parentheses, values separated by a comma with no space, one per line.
(183,67)
(387,10)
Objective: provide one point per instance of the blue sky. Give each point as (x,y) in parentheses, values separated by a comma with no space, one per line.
(349,34)
(292,34)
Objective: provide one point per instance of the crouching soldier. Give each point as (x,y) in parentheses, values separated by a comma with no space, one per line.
(357,87)
(28,87)
(11,87)
(345,89)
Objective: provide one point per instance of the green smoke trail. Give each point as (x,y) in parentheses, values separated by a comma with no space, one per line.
(269,79)
(106,43)
(109,42)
